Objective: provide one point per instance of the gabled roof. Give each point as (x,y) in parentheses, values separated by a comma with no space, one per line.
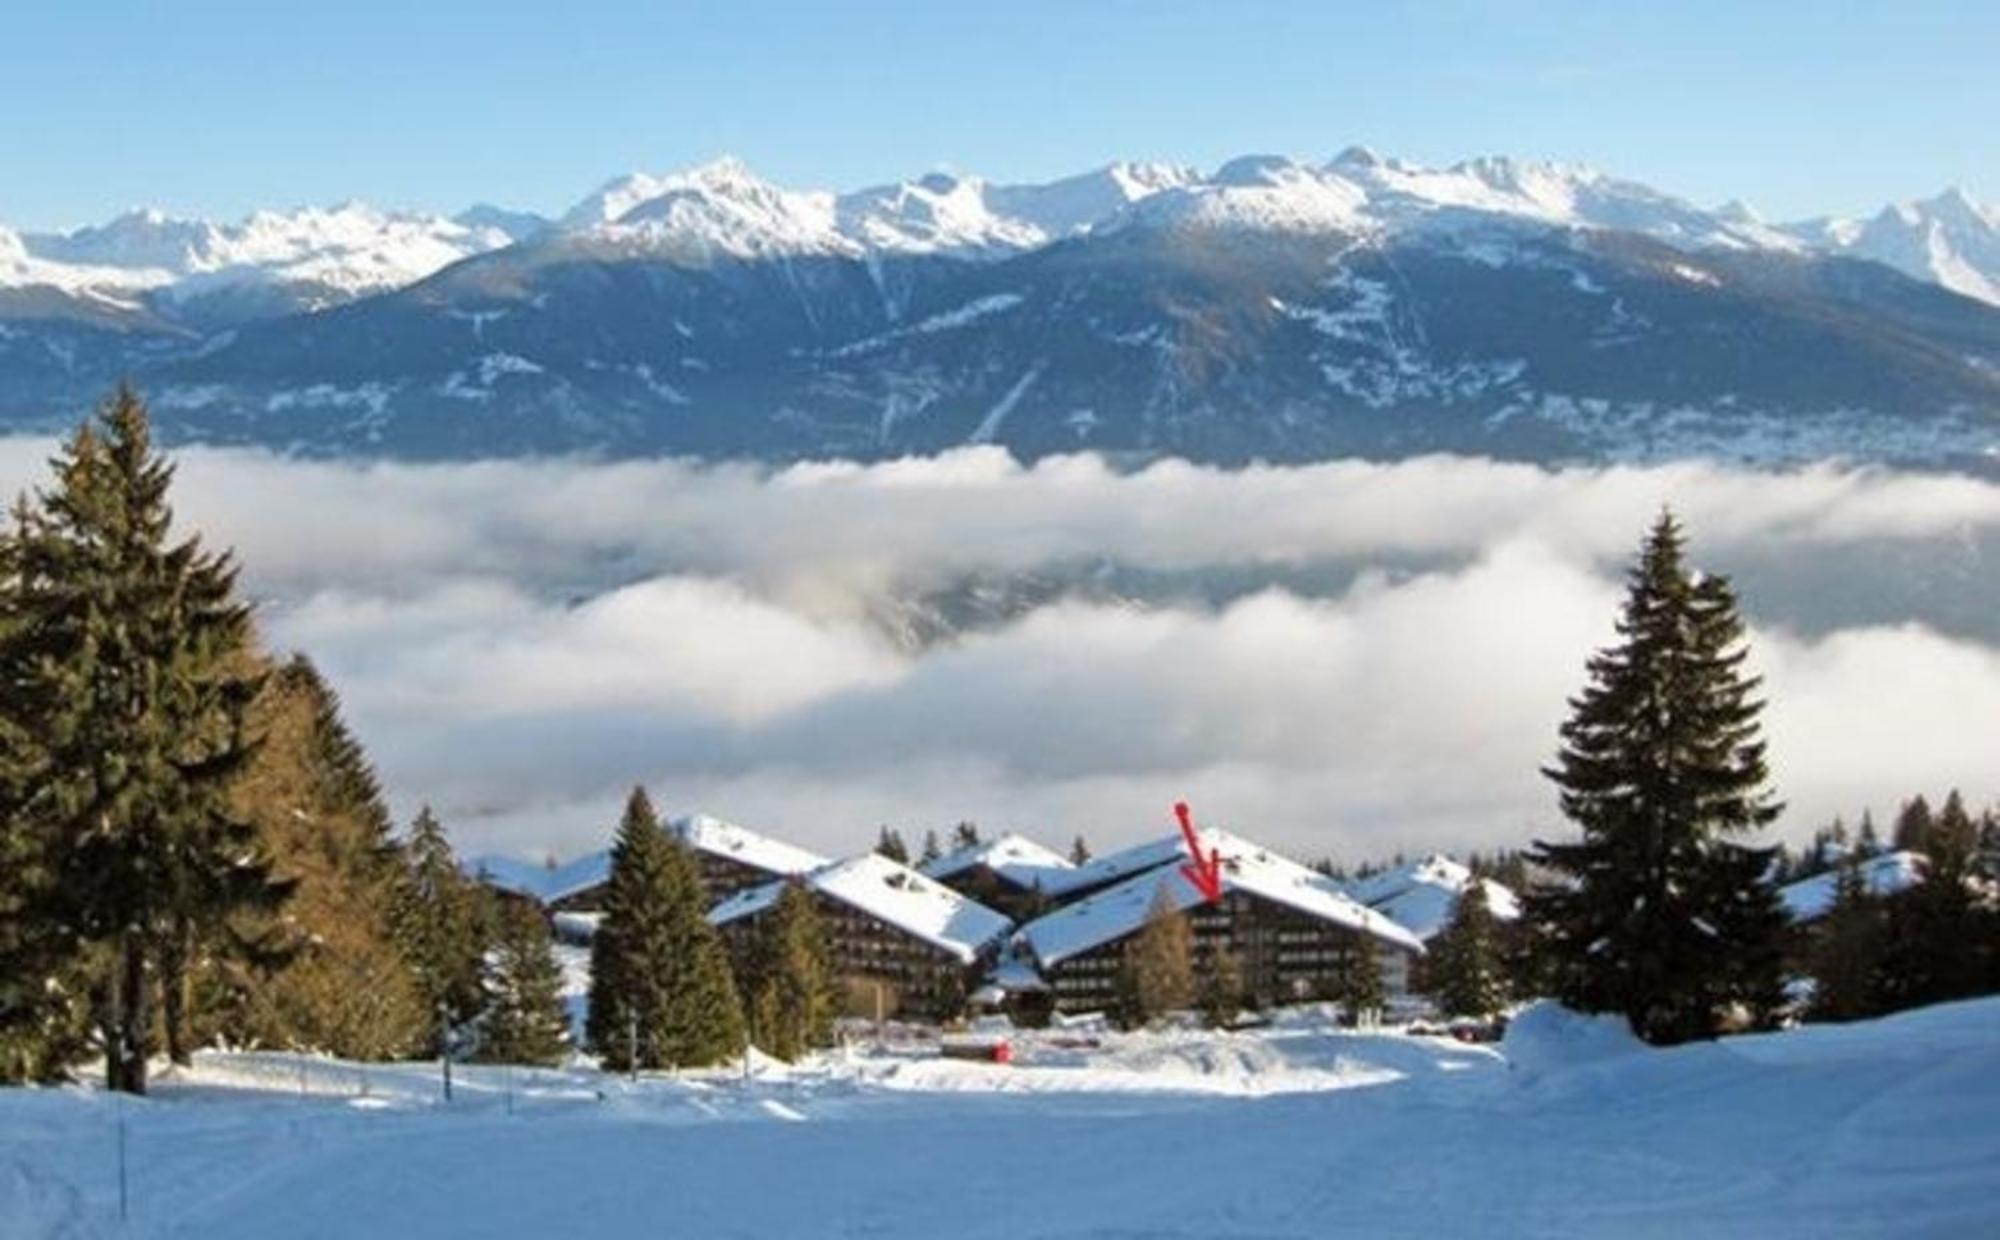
(891,893)
(1810,898)
(1015,858)
(708,834)
(1110,868)
(1421,895)
(1122,908)
(701,832)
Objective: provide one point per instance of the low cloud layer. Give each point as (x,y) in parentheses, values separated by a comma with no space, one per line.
(518,642)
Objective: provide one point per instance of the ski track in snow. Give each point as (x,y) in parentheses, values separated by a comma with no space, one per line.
(1881,1128)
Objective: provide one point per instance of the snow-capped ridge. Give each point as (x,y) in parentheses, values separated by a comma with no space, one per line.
(1950,239)
(338,253)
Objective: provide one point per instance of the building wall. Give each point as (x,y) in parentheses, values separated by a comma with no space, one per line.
(983,885)
(878,963)
(721,877)
(1285,956)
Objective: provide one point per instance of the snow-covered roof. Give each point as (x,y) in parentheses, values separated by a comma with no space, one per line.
(701,832)
(1015,858)
(1014,975)
(1421,895)
(711,835)
(1121,909)
(1810,898)
(889,892)
(1112,867)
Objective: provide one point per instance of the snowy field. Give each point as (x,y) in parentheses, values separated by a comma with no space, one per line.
(1885,1128)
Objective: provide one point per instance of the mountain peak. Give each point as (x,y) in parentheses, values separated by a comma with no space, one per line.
(1958,207)
(1256,170)
(1737,211)
(1358,156)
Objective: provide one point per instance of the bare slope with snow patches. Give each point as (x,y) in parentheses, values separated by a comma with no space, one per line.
(1879,1128)
(1273,309)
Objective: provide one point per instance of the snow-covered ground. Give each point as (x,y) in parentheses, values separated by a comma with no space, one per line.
(1569,1128)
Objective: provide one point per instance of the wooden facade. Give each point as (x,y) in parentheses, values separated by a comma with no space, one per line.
(721,877)
(883,969)
(1285,956)
(999,892)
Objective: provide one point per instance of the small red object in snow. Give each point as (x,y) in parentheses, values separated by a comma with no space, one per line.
(1003,1051)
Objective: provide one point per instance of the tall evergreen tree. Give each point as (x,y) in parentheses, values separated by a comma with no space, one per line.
(932,849)
(1939,933)
(526,1021)
(965,835)
(442,925)
(1465,971)
(1079,852)
(1912,831)
(343,985)
(44,1011)
(1657,913)
(661,994)
(1845,952)
(125,721)
(1156,975)
(890,844)
(629,951)
(1867,841)
(789,985)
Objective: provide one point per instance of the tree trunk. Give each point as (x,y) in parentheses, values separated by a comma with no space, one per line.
(111,1020)
(176,983)
(131,1018)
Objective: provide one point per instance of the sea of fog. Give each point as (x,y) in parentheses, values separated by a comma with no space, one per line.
(1342,659)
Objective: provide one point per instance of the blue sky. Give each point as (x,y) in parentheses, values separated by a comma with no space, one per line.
(215,108)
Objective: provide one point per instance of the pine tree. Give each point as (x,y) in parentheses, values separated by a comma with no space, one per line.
(1913,826)
(704,1019)
(125,715)
(629,951)
(789,983)
(1845,956)
(1867,841)
(442,926)
(1656,914)
(890,844)
(932,849)
(660,988)
(1465,969)
(44,1016)
(1079,852)
(44,1013)
(1156,975)
(964,835)
(1938,932)
(343,984)
(526,1021)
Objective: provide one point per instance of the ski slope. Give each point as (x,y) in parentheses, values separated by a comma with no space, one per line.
(1568,1129)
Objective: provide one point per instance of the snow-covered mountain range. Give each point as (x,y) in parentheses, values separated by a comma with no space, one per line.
(722,209)
(1271,307)
(306,259)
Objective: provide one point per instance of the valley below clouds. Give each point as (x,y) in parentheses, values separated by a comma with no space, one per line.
(1342,659)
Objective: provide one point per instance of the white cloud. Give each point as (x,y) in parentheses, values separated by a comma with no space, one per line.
(520,641)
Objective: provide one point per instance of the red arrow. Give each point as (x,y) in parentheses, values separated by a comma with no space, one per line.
(1204,872)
